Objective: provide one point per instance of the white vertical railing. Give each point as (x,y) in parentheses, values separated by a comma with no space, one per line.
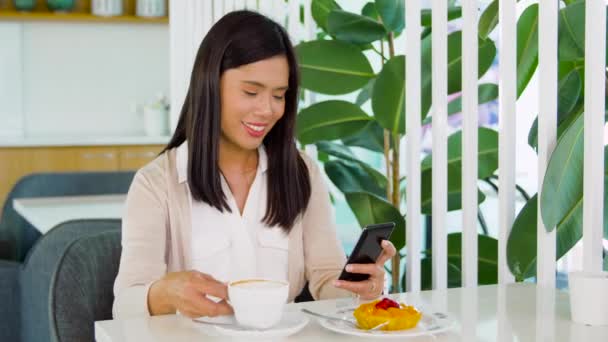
(412,119)
(507,95)
(440,145)
(469,142)
(547,129)
(595,70)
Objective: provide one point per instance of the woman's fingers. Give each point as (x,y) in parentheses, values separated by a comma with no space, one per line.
(210,286)
(388,251)
(371,269)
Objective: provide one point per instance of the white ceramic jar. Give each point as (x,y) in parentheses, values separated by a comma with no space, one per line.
(151,8)
(106,8)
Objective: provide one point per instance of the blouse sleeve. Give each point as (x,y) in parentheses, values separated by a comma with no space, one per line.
(324,256)
(144,236)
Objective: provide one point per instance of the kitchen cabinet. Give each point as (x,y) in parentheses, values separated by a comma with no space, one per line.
(17,162)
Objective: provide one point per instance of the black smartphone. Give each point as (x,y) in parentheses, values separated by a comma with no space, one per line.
(368,249)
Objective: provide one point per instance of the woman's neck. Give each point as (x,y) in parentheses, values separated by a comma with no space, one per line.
(233,159)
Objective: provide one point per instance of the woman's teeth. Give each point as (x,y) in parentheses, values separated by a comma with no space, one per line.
(253,127)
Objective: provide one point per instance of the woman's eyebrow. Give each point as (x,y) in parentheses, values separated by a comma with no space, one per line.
(261,85)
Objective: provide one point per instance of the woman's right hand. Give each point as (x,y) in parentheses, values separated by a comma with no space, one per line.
(186,292)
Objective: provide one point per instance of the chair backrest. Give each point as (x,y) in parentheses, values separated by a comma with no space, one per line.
(82,286)
(37,272)
(9,297)
(20,234)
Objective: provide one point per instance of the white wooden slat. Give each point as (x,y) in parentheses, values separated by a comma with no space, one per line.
(595,69)
(280,12)
(440,146)
(228,5)
(207,15)
(293,23)
(309,22)
(218,9)
(266,8)
(507,96)
(469,143)
(251,5)
(412,117)
(547,130)
(239,5)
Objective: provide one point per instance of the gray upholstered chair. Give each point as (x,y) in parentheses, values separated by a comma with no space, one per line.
(82,286)
(38,269)
(9,301)
(18,236)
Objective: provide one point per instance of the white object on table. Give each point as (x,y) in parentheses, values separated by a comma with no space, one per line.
(521,314)
(44,213)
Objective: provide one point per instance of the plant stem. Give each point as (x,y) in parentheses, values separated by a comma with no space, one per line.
(387,159)
(391,44)
(380,53)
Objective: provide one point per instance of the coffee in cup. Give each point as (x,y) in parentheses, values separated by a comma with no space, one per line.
(258,303)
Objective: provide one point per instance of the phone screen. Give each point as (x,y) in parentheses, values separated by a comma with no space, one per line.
(368,249)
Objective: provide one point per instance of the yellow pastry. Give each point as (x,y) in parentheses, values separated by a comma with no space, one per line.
(399,316)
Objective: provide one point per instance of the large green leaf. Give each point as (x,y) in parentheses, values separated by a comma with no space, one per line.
(563,183)
(570,90)
(365,93)
(426,18)
(330,120)
(344,152)
(320,11)
(527,47)
(370,137)
(370,209)
(487,153)
(392,13)
(488,20)
(352,177)
(572,32)
(486,51)
(354,28)
(454,191)
(333,67)
(487,262)
(388,96)
(369,10)
(487,165)
(521,246)
(606,263)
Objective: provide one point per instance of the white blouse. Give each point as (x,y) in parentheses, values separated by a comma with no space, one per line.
(229,246)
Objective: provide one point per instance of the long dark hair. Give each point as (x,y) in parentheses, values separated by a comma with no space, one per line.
(240,38)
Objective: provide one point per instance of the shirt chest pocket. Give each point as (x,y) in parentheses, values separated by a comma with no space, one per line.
(211,254)
(272,253)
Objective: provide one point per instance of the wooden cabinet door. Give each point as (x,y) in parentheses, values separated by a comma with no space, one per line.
(96,158)
(135,157)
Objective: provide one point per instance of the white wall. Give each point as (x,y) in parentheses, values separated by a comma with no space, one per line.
(79,78)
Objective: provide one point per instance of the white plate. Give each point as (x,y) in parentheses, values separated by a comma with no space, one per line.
(291,323)
(432,322)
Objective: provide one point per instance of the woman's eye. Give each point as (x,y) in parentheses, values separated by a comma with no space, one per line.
(248,93)
(279,97)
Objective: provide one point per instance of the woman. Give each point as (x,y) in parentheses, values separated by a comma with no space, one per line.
(231,197)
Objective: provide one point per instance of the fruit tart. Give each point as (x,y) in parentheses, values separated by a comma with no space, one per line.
(399,316)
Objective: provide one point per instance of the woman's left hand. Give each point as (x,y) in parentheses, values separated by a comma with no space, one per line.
(372,287)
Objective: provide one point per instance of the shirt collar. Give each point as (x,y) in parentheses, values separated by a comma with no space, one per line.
(181,160)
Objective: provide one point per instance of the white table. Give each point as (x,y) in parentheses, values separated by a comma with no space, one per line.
(515,312)
(45,213)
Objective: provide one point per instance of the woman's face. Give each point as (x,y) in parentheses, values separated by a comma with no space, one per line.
(252,100)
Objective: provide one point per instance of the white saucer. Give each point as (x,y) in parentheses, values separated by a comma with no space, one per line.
(291,323)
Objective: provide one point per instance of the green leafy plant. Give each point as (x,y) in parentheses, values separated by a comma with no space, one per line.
(561,202)
(338,63)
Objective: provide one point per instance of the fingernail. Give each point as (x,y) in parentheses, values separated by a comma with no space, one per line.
(349,268)
(336,283)
(384,243)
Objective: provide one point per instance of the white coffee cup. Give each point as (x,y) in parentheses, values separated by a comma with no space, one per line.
(589,297)
(258,303)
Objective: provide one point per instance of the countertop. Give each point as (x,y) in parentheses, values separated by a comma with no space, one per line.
(82,141)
